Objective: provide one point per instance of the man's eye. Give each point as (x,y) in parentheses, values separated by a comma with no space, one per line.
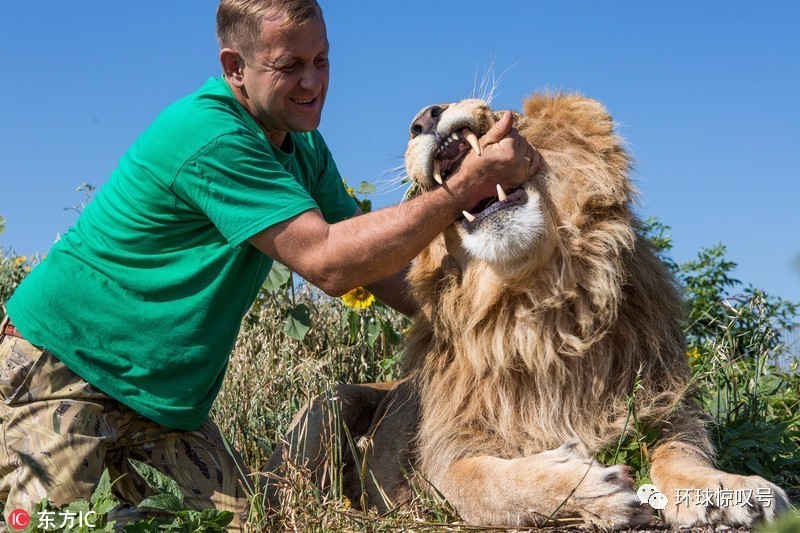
(291,67)
(321,61)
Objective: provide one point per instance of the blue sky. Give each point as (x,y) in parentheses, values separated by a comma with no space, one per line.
(706,93)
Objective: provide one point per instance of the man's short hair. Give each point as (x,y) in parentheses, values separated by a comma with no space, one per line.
(239,21)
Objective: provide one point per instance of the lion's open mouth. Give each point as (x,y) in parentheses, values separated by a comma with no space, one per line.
(452,150)
(489,206)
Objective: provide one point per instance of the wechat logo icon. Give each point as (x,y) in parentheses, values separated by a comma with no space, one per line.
(650,495)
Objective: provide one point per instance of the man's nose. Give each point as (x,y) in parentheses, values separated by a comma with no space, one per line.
(427,120)
(312,78)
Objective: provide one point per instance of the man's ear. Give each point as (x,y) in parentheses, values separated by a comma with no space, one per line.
(232,66)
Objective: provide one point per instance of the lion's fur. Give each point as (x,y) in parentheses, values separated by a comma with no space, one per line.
(520,361)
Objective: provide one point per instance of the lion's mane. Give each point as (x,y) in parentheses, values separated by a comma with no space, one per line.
(514,361)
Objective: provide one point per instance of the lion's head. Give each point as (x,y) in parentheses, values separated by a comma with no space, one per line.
(519,225)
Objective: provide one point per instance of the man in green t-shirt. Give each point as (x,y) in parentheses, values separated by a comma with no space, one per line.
(121,336)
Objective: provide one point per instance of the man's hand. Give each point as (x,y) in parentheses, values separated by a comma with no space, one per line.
(507,159)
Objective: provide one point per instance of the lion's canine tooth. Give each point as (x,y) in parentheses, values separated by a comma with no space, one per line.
(501,194)
(472,139)
(454,136)
(437,172)
(468,216)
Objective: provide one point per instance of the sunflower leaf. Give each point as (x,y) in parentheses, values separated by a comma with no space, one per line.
(279,276)
(297,322)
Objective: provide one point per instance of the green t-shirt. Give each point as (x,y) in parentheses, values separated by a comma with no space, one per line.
(144,296)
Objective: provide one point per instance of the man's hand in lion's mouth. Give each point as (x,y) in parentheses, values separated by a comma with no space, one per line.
(505,160)
(452,150)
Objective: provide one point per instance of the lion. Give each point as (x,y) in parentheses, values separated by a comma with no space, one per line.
(543,312)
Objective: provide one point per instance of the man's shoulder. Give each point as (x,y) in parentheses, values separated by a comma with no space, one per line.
(197,120)
(211,109)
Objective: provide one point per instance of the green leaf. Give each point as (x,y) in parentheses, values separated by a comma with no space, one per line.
(79,506)
(103,501)
(391,335)
(103,489)
(353,322)
(298,322)
(209,519)
(150,526)
(157,481)
(162,502)
(756,467)
(366,188)
(2,225)
(373,331)
(221,518)
(365,205)
(278,277)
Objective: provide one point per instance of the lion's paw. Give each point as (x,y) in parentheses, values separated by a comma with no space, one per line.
(725,499)
(605,496)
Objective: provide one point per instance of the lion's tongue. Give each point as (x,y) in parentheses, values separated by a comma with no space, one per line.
(487,206)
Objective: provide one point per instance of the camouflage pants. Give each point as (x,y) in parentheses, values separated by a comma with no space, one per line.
(58,434)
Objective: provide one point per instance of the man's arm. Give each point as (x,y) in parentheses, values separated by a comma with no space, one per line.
(372,247)
(393,291)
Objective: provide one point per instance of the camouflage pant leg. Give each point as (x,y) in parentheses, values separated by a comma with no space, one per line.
(210,475)
(58,433)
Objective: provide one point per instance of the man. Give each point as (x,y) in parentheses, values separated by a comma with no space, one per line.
(121,337)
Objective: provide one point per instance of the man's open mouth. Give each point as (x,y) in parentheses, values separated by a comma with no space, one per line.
(308,101)
(489,206)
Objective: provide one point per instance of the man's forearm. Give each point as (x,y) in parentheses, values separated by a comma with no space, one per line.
(393,291)
(372,247)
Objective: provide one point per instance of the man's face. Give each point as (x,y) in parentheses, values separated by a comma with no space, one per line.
(286,79)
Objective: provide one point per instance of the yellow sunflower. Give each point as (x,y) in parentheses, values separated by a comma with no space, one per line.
(359,298)
(19,260)
(351,191)
(694,353)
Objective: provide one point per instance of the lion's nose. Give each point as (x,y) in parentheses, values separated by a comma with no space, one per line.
(427,120)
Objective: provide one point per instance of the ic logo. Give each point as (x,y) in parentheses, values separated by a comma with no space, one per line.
(18,519)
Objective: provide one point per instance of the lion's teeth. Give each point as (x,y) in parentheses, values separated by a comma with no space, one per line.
(454,136)
(468,216)
(501,194)
(472,139)
(437,172)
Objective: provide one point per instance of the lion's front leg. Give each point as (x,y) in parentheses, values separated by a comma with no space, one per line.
(322,427)
(529,490)
(699,494)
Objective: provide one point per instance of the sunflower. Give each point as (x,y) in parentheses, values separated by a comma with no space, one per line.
(694,353)
(19,260)
(359,298)
(351,191)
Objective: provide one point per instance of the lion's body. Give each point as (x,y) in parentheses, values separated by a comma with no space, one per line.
(525,345)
